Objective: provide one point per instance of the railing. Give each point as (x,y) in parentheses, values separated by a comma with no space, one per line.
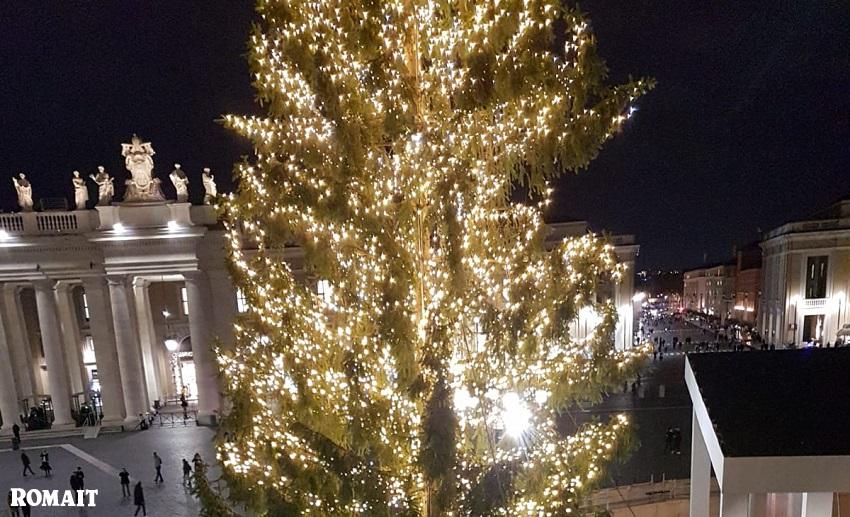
(814,303)
(642,493)
(47,223)
(176,419)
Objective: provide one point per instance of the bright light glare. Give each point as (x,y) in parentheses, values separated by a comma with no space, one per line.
(118,227)
(639,297)
(172,345)
(463,400)
(173,226)
(3,234)
(515,416)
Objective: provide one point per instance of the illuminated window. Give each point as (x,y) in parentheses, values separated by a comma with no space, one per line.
(85,307)
(324,290)
(816,268)
(241,301)
(88,351)
(184,300)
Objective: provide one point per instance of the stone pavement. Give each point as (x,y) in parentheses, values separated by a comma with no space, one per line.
(651,413)
(101,459)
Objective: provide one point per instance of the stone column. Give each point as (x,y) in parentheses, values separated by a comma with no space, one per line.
(54,356)
(71,337)
(734,505)
(817,504)
(147,337)
(19,345)
(700,472)
(224,308)
(127,344)
(105,352)
(8,389)
(206,370)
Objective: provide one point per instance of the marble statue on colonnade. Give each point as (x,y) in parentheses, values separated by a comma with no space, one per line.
(81,191)
(105,186)
(209,185)
(181,183)
(24,190)
(138,158)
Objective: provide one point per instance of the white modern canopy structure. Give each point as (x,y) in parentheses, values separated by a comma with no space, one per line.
(774,427)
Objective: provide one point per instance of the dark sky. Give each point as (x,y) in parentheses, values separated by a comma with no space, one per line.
(749,125)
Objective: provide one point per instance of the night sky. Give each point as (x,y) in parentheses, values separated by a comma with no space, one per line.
(749,125)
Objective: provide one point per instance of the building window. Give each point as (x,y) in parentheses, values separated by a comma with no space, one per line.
(324,290)
(241,301)
(88,351)
(816,269)
(184,300)
(85,306)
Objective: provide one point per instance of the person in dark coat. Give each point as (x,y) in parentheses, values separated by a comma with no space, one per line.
(80,478)
(124,476)
(139,499)
(26,461)
(45,464)
(187,474)
(13,510)
(16,431)
(25,508)
(74,482)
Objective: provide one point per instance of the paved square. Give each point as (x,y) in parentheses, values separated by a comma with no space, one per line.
(101,459)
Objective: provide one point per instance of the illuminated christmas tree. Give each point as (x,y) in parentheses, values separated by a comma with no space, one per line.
(415,362)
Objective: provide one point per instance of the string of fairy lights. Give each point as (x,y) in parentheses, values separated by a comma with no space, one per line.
(439,350)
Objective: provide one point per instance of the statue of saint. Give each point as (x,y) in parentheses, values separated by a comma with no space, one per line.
(138,158)
(105,187)
(181,183)
(209,185)
(24,189)
(81,191)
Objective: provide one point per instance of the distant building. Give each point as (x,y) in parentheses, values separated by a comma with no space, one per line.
(621,294)
(747,284)
(710,290)
(806,278)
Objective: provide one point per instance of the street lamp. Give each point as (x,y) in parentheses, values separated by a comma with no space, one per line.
(172,345)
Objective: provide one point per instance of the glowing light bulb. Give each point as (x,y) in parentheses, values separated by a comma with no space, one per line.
(515,416)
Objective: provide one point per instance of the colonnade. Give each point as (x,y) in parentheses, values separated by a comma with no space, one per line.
(123,334)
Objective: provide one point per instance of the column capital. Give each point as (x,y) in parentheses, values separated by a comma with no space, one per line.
(117,280)
(141,282)
(65,285)
(194,276)
(44,284)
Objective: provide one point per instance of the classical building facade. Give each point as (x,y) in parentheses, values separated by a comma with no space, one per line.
(806,279)
(710,290)
(120,306)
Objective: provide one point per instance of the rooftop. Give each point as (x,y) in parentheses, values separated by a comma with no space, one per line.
(778,403)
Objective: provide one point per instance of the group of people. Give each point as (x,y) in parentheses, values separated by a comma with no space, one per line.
(78,480)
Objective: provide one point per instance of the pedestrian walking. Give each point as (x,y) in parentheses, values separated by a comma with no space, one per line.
(157,464)
(184,403)
(196,460)
(26,461)
(16,430)
(677,440)
(187,474)
(13,510)
(124,476)
(45,464)
(139,499)
(74,482)
(25,508)
(81,484)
